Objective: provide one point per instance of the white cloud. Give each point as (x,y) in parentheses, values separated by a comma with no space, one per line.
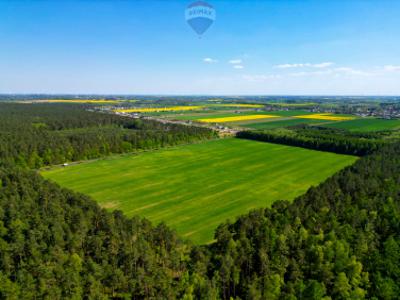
(209,60)
(391,68)
(323,65)
(238,67)
(305,65)
(235,61)
(317,80)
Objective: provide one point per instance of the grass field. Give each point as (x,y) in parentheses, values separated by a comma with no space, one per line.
(289,113)
(284,123)
(368,124)
(196,187)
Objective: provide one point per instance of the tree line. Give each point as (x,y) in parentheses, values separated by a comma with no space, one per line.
(37,135)
(323,139)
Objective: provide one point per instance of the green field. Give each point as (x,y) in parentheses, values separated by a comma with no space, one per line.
(284,123)
(367,124)
(196,187)
(289,113)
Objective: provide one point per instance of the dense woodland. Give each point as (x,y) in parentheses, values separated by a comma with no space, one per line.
(323,139)
(38,135)
(55,244)
(341,240)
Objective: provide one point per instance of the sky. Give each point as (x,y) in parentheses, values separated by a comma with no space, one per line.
(277,47)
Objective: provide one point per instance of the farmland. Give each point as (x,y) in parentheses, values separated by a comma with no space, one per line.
(212,114)
(304,104)
(194,188)
(327,117)
(236,114)
(159,109)
(235,118)
(284,123)
(367,124)
(193,116)
(186,108)
(259,117)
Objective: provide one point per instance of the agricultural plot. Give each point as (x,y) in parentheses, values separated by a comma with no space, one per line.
(236,118)
(232,113)
(158,109)
(194,188)
(238,105)
(284,123)
(289,113)
(195,116)
(187,108)
(247,117)
(263,119)
(367,124)
(327,117)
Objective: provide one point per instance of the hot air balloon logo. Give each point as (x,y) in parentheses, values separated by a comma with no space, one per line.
(200,15)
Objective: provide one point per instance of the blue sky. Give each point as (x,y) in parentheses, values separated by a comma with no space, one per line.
(254,47)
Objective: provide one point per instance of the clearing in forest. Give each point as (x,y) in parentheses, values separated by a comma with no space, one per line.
(194,188)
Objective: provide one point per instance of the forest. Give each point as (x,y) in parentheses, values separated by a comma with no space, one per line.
(340,240)
(323,139)
(38,135)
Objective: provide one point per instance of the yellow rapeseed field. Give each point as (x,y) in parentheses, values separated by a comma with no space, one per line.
(159,109)
(327,117)
(236,118)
